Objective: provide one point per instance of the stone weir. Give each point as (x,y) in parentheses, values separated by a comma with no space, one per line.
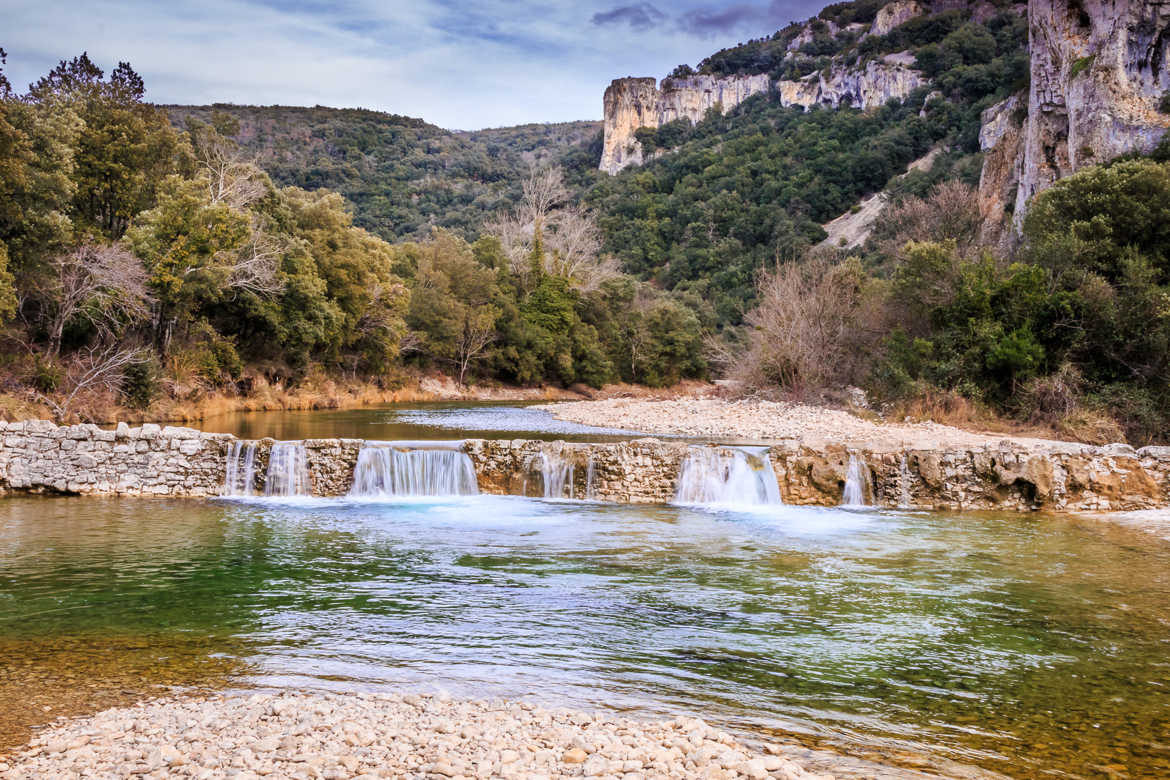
(39,456)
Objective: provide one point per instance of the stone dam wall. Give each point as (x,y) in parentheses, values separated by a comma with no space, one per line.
(150,460)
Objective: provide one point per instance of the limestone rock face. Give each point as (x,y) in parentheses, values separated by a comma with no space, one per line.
(894,14)
(1099,69)
(891,78)
(632,103)
(1000,139)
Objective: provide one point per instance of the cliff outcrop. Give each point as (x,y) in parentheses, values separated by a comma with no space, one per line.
(1099,72)
(633,103)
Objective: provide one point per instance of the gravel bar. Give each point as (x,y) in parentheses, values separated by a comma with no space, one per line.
(363,735)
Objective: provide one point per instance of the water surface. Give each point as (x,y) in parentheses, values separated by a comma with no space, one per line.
(414,422)
(1025,645)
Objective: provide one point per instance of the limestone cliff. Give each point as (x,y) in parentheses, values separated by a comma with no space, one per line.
(632,103)
(890,78)
(1099,69)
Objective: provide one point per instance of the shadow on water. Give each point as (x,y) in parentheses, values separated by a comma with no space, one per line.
(1022,645)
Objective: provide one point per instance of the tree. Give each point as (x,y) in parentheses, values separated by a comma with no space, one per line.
(546,235)
(452,305)
(125,148)
(949,212)
(809,329)
(1088,219)
(355,267)
(189,246)
(100,285)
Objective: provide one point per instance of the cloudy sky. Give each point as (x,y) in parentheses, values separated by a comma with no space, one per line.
(462,65)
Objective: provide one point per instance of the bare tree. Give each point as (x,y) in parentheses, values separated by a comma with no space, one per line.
(100,367)
(101,284)
(232,178)
(811,328)
(949,211)
(257,264)
(479,331)
(574,245)
(237,182)
(544,190)
(570,235)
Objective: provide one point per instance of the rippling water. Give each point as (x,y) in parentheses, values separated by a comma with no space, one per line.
(1025,645)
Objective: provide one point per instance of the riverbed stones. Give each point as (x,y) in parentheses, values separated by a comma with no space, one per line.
(306,735)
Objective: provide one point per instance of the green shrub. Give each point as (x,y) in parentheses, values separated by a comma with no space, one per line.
(141,383)
(47,375)
(1080,66)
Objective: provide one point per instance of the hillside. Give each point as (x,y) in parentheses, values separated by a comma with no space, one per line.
(401,174)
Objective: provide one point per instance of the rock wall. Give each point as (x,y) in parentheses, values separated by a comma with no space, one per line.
(880,81)
(632,103)
(1099,69)
(38,456)
(152,461)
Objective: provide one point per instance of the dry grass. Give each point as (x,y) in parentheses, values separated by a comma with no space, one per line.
(187,399)
(948,408)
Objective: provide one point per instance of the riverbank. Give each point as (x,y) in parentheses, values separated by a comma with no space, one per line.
(385,735)
(320,392)
(751,420)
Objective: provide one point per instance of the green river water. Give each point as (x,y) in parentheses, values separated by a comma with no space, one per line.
(1023,645)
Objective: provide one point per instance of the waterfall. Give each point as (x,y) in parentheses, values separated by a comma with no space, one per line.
(590,479)
(413,469)
(856,478)
(556,473)
(712,475)
(288,470)
(240,474)
(903,483)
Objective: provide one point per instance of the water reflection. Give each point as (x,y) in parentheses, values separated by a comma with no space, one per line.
(420,421)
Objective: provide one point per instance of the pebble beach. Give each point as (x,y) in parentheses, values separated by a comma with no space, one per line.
(361,735)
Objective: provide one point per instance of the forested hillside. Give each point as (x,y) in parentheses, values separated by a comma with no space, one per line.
(401,175)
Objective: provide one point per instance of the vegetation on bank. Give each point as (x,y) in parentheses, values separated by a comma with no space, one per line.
(144,265)
(1071,332)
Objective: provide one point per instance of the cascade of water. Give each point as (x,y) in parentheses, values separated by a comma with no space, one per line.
(855,481)
(711,475)
(903,483)
(413,469)
(240,474)
(556,473)
(590,477)
(288,470)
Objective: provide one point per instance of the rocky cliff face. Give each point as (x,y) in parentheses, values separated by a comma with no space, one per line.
(632,103)
(890,78)
(1099,69)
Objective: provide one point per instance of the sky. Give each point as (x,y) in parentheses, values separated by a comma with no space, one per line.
(458,65)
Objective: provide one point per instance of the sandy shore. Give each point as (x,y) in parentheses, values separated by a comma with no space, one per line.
(767,421)
(327,736)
